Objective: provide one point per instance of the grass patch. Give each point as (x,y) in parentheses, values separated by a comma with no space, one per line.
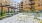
(3,16)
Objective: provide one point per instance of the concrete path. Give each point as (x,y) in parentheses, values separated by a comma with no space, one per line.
(19,18)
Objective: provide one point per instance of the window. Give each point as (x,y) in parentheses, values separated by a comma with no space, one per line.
(38,4)
(14,4)
(38,0)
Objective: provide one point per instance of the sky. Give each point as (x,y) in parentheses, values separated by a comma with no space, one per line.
(18,0)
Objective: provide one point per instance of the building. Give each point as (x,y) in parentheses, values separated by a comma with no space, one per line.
(4,2)
(18,7)
(26,6)
(37,5)
(15,4)
(21,6)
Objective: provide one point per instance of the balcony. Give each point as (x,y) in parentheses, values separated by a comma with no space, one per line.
(32,3)
(30,0)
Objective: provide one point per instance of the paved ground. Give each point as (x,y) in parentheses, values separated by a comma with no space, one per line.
(19,18)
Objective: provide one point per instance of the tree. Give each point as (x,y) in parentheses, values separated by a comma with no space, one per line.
(32,8)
